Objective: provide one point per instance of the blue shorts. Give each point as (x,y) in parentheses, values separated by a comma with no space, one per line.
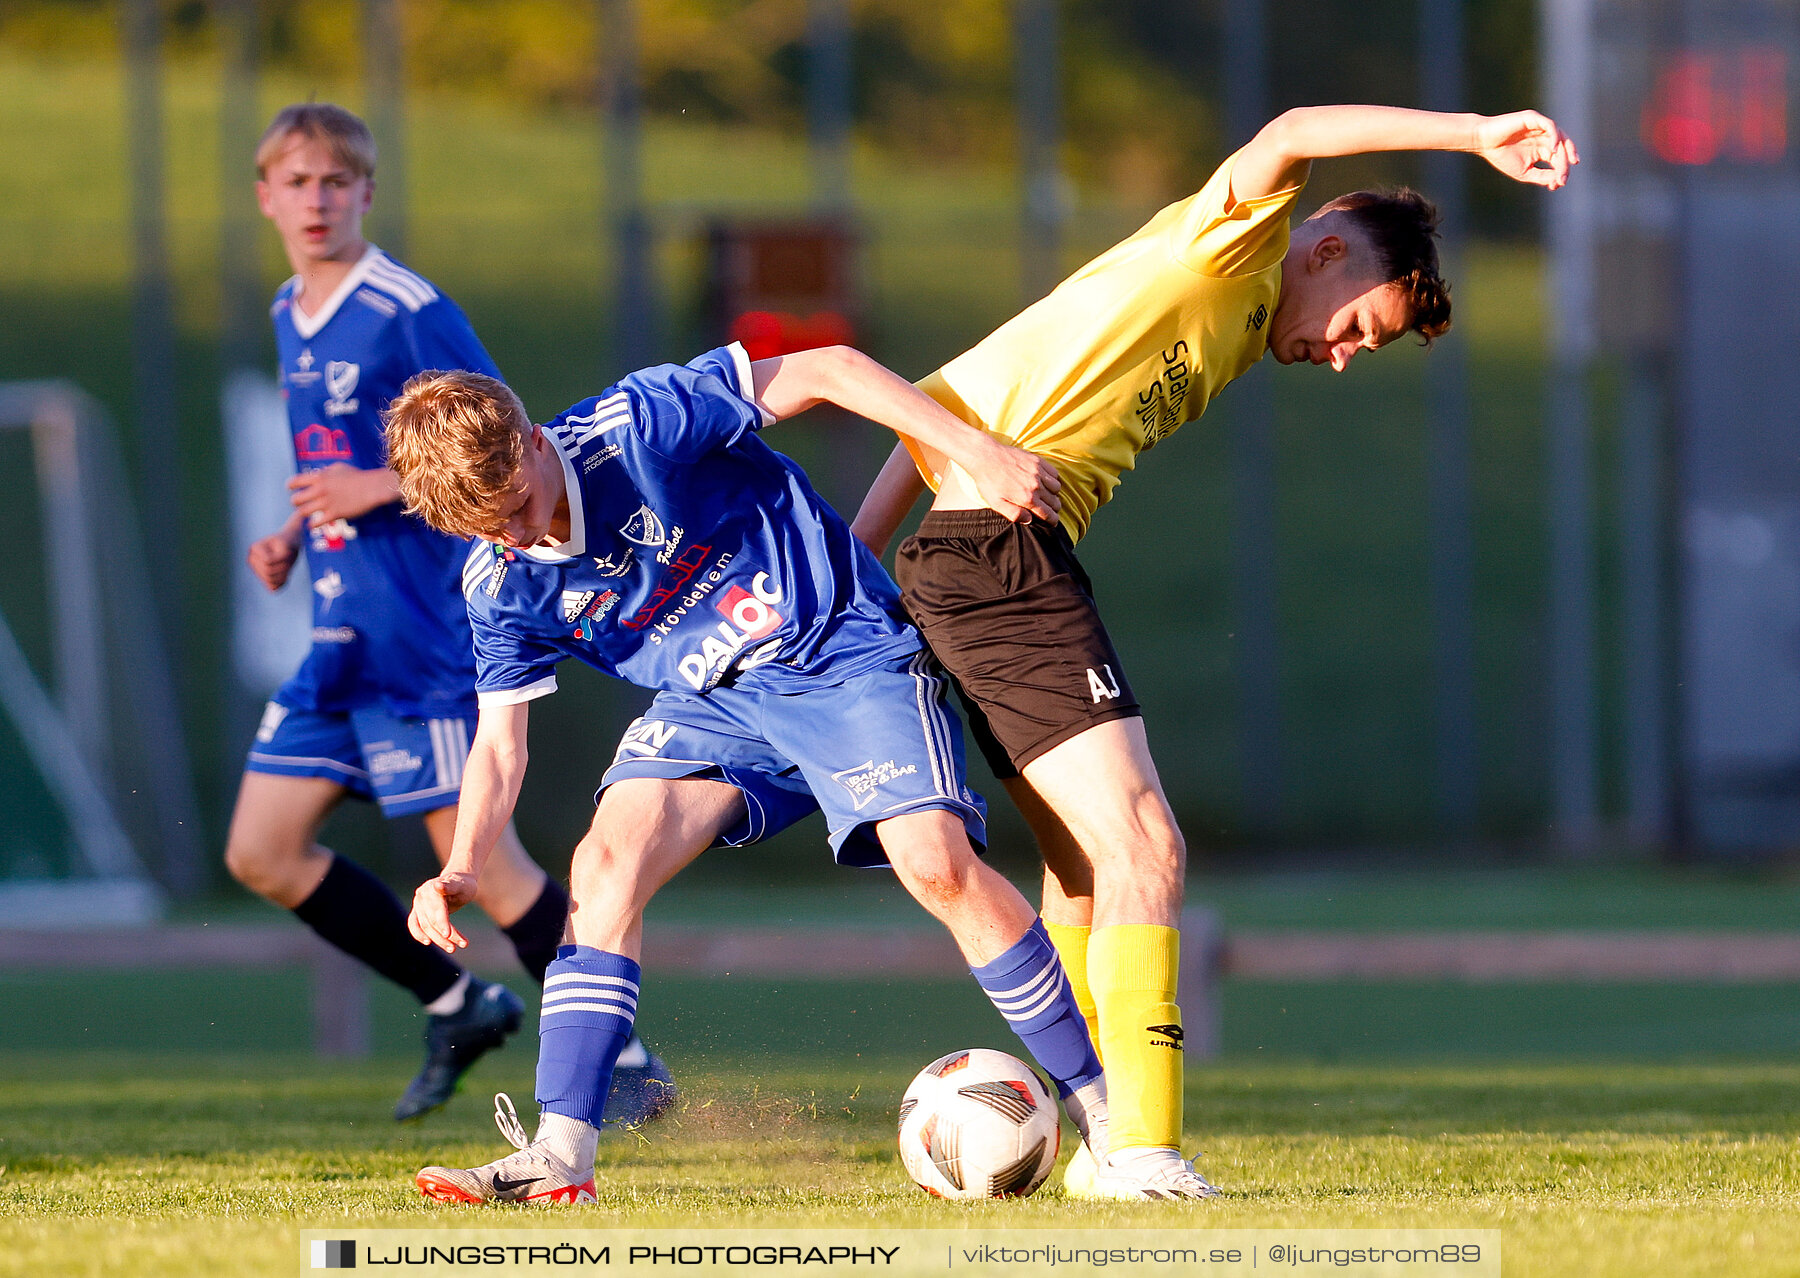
(876,746)
(406,765)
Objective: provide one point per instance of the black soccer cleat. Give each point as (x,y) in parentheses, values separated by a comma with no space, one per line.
(642,1087)
(490,1012)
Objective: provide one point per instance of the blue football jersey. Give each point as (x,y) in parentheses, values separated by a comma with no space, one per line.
(389,625)
(697,555)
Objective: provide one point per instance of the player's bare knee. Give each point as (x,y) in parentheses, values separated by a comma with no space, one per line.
(936,892)
(255,863)
(241,865)
(933,873)
(1143,838)
(1171,852)
(1162,862)
(607,865)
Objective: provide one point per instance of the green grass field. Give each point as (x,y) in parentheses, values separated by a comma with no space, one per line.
(164,1168)
(174,1126)
(171,1124)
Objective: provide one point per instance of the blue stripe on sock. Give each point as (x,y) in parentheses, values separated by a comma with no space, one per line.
(1029,988)
(590,1006)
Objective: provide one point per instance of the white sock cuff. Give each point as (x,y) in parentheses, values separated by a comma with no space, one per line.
(634,1055)
(569,1139)
(1087,1110)
(450,1002)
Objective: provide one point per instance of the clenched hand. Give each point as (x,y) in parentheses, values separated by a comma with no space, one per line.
(433,904)
(1019,484)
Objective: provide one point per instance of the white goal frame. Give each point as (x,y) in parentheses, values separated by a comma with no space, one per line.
(70,735)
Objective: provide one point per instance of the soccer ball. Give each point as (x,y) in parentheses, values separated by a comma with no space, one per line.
(978,1124)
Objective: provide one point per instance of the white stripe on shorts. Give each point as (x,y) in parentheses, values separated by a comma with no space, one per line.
(932,720)
(449,744)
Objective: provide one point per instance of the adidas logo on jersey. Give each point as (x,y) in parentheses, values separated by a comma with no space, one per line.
(582,608)
(573,601)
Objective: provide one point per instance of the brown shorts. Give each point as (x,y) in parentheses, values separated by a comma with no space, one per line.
(1010,614)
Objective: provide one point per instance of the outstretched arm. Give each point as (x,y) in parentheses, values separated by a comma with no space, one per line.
(1010,480)
(490,790)
(1524,145)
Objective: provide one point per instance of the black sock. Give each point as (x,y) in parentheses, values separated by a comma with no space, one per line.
(356,912)
(536,933)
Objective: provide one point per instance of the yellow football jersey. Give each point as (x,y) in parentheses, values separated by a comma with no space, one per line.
(1129,347)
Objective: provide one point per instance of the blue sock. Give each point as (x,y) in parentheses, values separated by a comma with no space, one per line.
(590,1004)
(1027,984)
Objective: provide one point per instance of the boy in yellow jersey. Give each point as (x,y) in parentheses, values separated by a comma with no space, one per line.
(1123,352)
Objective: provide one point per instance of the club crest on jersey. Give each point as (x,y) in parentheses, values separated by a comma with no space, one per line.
(340,382)
(749,615)
(649,531)
(644,528)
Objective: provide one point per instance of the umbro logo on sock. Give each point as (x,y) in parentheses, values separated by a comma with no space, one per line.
(1171,1036)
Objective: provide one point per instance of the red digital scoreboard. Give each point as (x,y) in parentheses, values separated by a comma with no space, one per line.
(782,285)
(1725,104)
(1692,195)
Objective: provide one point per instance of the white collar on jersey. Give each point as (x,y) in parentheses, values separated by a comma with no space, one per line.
(562,551)
(308,326)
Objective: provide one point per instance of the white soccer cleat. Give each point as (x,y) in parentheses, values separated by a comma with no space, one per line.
(529,1175)
(1139,1174)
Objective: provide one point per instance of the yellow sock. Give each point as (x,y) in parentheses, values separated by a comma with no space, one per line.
(1072,947)
(1132,969)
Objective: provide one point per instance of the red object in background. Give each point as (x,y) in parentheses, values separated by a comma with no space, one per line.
(1762,106)
(1678,120)
(780,286)
(1718,104)
(766,334)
